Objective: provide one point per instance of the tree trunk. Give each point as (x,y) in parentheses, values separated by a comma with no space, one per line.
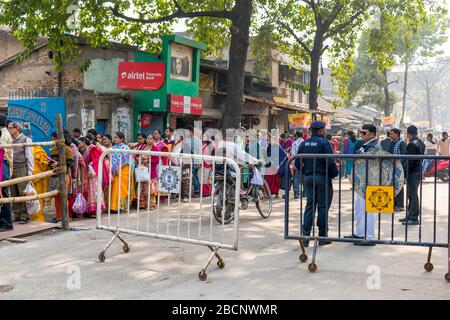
(387,97)
(429,111)
(405,90)
(314,75)
(240,29)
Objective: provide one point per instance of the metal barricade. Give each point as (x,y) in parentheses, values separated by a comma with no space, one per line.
(432,230)
(158,210)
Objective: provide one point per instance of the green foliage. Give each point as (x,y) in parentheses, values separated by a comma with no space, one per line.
(100,23)
(306,29)
(408,32)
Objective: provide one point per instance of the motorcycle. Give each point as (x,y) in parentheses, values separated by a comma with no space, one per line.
(441,168)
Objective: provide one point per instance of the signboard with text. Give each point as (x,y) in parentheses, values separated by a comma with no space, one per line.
(40,113)
(388,121)
(141,75)
(186,105)
(299,120)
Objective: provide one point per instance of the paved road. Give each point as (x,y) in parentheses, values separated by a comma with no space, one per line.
(265,267)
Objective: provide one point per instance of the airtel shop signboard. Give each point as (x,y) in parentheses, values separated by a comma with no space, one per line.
(141,75)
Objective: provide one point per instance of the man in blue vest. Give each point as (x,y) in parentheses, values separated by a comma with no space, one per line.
(318,180)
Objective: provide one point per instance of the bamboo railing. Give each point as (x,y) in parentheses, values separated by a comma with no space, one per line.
(60,171)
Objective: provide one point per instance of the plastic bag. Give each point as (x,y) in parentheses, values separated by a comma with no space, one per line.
(80,204)
(142,174)
(33,206)
(91,171)
(257,178)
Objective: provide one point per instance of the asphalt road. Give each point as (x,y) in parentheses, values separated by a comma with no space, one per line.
(64,265)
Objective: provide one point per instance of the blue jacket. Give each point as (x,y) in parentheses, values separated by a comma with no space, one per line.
(317,145)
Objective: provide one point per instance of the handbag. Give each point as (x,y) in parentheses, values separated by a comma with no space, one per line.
(142,174)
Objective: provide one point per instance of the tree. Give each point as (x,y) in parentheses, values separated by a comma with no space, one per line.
(137,22)
(368,85)
(429,78)
(408,35)
(308,28)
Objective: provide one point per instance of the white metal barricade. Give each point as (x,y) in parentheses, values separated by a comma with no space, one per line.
(162,213)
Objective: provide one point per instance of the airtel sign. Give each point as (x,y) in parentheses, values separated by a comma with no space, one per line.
(141,75)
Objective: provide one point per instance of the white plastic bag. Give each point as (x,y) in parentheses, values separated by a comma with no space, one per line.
(91,171)
(142,174)
(257,178)
(32,206)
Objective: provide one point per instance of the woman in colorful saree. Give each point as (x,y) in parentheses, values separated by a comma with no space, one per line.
(145,162)
(122,167)
(160,146)
(41,185)
(92,159)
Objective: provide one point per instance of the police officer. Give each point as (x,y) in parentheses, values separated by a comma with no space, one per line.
(318,185)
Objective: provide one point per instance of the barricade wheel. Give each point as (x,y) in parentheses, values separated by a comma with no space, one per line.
(220,264)
(202,275)
(447,277)
(303,258)
(126,248)
(428,267)
(102,257)
(312,267)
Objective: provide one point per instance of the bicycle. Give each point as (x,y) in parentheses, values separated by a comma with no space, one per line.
(259,194)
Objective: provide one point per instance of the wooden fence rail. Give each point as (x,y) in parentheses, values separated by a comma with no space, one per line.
(60,171)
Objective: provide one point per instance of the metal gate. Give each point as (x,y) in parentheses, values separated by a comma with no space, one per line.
(432,229)
(157,210)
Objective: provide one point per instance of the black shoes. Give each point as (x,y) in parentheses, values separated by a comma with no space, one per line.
(353,236)
(325,242)
(4,229)
(410,222)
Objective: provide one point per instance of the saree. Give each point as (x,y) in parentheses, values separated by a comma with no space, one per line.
(41,185)
(149,188)
(93,154)
(122,167)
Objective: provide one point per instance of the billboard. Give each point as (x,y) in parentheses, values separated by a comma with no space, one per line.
(141,75)
(40,113)
(181,62)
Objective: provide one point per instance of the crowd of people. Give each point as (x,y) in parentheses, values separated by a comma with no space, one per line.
(318,180)
(131,180)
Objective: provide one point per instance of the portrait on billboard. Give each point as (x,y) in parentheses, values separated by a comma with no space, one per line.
(181,62)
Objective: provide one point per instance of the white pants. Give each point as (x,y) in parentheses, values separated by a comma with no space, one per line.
(360,208)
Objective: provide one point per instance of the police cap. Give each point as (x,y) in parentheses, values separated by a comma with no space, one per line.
(316,125)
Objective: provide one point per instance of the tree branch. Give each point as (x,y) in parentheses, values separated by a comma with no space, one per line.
(179,14)
(297,38)
(334,13)
(344,25)
(291,31)
(317,16)
(177,5)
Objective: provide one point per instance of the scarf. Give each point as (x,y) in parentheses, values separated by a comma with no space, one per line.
(118,159)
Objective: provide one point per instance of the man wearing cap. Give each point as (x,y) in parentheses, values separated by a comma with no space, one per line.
(318,177)
(7,166)
(368,143)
